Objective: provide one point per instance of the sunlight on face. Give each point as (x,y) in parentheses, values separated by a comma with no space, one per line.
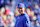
(21,10)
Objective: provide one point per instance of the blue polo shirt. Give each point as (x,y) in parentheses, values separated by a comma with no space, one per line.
(22,20)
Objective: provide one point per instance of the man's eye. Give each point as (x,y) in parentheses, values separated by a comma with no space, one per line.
(19,8)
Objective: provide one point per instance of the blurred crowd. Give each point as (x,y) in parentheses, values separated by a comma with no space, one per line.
(8,11)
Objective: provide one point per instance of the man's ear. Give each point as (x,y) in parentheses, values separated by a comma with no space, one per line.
(24,7)
(16,6)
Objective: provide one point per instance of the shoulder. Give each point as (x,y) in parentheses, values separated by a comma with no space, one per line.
(26,15)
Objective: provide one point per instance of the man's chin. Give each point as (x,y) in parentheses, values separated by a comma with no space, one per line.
(21,13)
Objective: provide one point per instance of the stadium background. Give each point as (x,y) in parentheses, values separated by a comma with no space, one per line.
(8,11)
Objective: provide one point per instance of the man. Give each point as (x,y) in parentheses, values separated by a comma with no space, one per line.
(22,20)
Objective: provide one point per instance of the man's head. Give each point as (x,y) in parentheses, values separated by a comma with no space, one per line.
(21,8)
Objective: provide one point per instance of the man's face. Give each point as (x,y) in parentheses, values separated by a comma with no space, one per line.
(21,10)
